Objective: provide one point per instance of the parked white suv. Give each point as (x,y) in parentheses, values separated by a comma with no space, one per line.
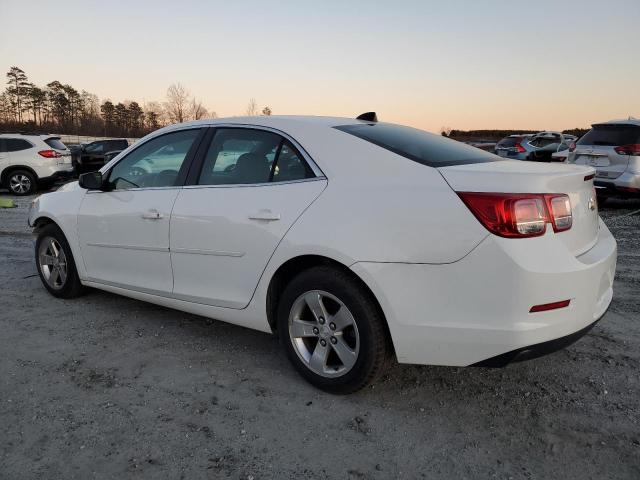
(31,161)
(613,149)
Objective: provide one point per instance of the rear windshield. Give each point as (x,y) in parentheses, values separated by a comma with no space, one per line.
(508,142)
(418,145)
(54,142)
(611,135)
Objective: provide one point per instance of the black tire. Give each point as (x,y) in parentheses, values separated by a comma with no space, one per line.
(71,287)
(21,182)
(602,199)
(374,344)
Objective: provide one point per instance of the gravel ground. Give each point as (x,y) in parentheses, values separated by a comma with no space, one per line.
(108,387)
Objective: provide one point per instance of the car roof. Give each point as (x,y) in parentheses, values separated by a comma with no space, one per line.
(27,135)
(274,121)
(627,121)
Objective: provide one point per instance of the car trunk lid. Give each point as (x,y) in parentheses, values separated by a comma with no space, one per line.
(531,177)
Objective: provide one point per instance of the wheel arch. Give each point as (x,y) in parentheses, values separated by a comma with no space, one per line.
(13,168)
(295,265)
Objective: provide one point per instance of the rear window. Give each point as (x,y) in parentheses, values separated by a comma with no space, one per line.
(118,144)
(54,142)
(418,145)
(611,135)
(508,142)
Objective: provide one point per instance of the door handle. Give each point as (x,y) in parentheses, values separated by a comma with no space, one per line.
(152,215)
(266,215)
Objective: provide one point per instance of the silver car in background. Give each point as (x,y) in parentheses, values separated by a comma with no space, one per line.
(538,147)
(613,149)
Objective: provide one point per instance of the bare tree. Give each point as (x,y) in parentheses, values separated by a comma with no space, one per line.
(177,103)
(266,111)
(198,110)
(252,108)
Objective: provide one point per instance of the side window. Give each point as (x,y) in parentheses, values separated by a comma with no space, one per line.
(155,163)
(96,147)
(239,156)
(16,144)
(290,165)
(3,148)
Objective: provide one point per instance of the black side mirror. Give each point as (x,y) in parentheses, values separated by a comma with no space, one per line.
(91,181)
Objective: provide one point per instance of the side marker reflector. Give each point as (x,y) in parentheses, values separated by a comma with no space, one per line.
(549,306)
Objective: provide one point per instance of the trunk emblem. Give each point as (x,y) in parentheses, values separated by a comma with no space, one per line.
(592,203)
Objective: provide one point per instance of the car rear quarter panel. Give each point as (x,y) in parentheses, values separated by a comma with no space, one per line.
(380,207)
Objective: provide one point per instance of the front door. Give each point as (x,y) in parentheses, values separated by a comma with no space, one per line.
(124,232)
(252,187)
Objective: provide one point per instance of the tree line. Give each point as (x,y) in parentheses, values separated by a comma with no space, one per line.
(61,108)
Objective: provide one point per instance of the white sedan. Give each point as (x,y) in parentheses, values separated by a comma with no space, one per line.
(356,241)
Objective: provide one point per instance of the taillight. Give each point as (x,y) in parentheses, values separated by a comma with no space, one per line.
(572,146)
(559,207)
(49,154)
(632,149)
(520,148)
(519,215)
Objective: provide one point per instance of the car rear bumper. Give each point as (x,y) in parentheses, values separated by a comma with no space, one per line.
(57,176)
(627,184)
(478,308)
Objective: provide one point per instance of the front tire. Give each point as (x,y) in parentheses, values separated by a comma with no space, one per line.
(55,264)
(332,330)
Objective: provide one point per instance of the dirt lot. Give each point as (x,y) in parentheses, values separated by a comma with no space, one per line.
(108,387)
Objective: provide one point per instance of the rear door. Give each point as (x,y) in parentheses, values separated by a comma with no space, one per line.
(599,148)
(251,187)
(124,232)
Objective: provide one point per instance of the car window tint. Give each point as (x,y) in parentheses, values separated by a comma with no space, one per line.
(16,144)
(239,156)
(290,165)
(54,142)
(97,147)
(417,145)
(155,163)
(611,135)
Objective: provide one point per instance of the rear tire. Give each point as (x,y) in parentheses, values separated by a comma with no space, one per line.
(55,264)
(21,182)
(332,330)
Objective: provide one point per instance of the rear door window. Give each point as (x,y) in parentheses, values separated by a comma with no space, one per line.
(16,144)
(242,156)
(417,145)
(611,135)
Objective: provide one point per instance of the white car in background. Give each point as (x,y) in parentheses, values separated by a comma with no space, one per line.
(354,240)
(613,149)
(31,161)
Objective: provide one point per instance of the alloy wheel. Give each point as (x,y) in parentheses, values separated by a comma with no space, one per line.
(53,263)
(324,333)
(20,183)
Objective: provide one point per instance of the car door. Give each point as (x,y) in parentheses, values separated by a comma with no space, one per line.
(124,231)
(252,186)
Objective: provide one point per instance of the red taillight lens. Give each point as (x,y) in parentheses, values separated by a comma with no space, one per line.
(519,215)
(549,306)
(49,154)
(633,149)
(520,148)
(572,146)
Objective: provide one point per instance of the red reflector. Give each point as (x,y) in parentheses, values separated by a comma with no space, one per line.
(589,177)
(549,306)
(49,154)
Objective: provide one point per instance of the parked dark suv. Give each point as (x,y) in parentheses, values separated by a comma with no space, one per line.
(92,156)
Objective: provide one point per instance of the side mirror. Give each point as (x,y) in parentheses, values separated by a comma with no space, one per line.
(91,181)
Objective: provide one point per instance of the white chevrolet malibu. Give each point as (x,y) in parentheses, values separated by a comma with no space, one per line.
(356,241)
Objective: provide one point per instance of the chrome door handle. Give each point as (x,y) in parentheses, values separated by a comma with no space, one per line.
(266,215)
(152,215)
